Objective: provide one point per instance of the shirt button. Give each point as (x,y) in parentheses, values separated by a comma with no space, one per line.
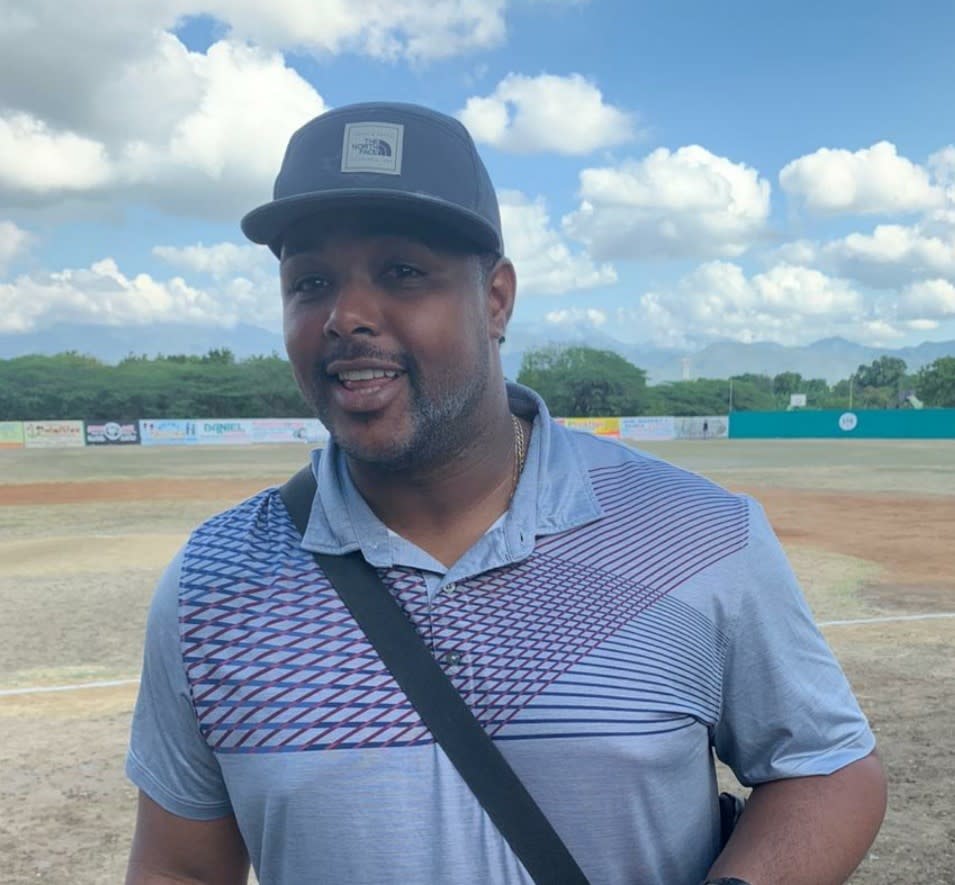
(451,589)
(453,659)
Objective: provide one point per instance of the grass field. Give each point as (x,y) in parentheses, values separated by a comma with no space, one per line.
(84,534)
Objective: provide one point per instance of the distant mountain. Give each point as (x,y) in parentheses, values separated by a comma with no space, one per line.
(522,337)
(111,343)
(830,358)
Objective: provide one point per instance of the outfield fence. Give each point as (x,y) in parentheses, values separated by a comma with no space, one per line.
(845,424)
(256,431)
(802,424)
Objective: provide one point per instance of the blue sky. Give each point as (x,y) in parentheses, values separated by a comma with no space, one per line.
(670,173)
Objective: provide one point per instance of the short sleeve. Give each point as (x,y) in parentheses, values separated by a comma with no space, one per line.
(168,759)
(787,709)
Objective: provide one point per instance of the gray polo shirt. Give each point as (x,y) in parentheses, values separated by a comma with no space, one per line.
(621,621)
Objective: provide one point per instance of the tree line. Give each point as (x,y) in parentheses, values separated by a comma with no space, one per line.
(585,382)
(216,385)
(574,381)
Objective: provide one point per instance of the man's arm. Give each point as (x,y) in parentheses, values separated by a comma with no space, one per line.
(171,850)
(807,831)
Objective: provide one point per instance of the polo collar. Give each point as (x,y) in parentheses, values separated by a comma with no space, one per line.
(554,494)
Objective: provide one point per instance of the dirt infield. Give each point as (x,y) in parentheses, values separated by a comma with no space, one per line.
(78,560)
(45,493)
(910,537)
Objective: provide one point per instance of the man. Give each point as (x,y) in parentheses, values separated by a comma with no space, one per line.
(609,619)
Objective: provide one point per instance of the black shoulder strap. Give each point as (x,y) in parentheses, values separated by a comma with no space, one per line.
(494,783)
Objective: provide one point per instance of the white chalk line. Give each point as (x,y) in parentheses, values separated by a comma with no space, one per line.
(113,683)
(76,686)
(888,619)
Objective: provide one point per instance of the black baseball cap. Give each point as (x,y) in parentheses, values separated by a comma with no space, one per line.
(384,156)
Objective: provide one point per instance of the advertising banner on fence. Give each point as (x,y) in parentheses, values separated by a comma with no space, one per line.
(597,426)
(224,432)
(705,427)
(52,434)
(648,427)
(112,433)
(167,432)
(288,430)
(11,434)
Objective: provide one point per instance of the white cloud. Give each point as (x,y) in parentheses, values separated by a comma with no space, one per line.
(802,252)
(788,290)
(942,164)
(73,56)
(685,203)
(879,332)
(566,115)
(209,147)
(893,254)
(222,156)
(545,263)
(419,30)
(788,304)
(577,316)
(55,63)
(927,300)
(220,261)
(13,242)
(34,159)
(102,294)
(868,181)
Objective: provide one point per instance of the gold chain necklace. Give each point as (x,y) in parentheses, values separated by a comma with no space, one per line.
(520,452)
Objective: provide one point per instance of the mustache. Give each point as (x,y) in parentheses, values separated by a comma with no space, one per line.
(358,350)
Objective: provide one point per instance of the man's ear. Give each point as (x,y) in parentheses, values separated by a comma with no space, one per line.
(501,292)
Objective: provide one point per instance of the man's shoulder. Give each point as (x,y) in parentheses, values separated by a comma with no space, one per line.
(248,515)
(253,535)
(616,463)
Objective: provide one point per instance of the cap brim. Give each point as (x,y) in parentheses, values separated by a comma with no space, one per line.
(268,224)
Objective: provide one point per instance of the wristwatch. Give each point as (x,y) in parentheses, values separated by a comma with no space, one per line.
(726,880)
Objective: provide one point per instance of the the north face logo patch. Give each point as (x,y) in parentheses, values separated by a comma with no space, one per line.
(373,147)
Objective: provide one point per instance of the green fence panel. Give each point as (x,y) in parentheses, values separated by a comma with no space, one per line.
(833,424)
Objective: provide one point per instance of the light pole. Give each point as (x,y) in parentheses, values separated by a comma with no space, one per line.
(852,378)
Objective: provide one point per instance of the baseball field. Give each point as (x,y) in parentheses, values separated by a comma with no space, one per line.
(84,533)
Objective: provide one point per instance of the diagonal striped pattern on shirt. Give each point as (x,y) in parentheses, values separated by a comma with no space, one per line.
(580,639)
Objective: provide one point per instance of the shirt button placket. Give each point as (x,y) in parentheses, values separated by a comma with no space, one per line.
(452,659)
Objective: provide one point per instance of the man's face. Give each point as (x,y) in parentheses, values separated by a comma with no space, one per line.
(390,341)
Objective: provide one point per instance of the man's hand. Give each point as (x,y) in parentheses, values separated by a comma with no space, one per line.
(171,850)
(807,831)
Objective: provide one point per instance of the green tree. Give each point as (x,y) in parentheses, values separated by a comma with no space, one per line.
(787,383)
(582,382)
(714,396)
(212,386)
(935,383)
(886,371)
(758,382)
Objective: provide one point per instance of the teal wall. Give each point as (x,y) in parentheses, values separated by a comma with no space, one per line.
(867,424)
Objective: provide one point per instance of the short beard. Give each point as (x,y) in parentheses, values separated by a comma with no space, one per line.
(442,419)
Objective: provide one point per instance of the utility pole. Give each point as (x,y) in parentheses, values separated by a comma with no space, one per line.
(731,396)
(852,378)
